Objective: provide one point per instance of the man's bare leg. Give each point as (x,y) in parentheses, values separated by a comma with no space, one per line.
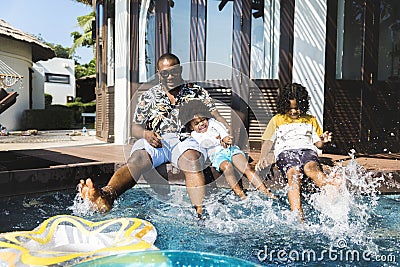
(190,164)
(123,179)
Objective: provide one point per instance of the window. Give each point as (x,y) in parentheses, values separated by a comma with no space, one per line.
(389,41)
(110,52)
(265,39)
(219,40)
(180,32)
(147,40)
(350,32)
(57,78)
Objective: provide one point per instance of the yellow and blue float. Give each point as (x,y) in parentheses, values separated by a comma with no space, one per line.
(65,240)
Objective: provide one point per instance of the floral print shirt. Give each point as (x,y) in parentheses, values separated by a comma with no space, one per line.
(155,111)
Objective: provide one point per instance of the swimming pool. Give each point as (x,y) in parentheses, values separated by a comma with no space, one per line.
(365,228)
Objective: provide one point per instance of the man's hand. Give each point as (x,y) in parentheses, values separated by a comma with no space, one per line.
(153,138)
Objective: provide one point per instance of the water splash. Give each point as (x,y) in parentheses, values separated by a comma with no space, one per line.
(345,213)
(349,214)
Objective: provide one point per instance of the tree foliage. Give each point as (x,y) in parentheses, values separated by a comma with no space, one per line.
(86,2)
(60,51)
(85,69)
(85,38)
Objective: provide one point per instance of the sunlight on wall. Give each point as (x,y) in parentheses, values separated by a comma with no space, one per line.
(309,51)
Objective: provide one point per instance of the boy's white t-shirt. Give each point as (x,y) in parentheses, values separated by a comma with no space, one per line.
(211,139)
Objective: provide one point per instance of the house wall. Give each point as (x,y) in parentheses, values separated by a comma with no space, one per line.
(309,51)
(122,91)
(308,57)
(38,88)
(18,56)
(59,91)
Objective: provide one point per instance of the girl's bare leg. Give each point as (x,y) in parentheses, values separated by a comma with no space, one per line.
(240,162)
(229,172)
(294,182)
(314,172)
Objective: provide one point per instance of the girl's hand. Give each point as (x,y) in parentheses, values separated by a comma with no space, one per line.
(261,164)
(326,137)
(226,142)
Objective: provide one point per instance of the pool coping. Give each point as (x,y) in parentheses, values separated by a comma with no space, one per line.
(99,161)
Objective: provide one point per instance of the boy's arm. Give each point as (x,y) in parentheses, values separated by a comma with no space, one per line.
(265,149)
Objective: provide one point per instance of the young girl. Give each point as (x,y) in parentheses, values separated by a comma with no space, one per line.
(295,136)
(215,139)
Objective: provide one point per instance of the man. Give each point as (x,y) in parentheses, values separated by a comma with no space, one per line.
(157,127)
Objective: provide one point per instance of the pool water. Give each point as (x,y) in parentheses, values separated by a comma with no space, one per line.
(360,228)
(167,258)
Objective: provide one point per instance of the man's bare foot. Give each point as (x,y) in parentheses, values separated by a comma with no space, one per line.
(102,200)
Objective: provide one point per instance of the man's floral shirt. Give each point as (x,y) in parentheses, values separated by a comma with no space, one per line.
(155,111)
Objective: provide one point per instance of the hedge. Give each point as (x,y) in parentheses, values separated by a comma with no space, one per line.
(79,108)
(54,117)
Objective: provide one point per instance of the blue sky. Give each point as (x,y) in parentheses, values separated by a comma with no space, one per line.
(54,20)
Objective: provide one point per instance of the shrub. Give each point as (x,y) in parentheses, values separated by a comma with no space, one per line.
(78,108)
(90,107)
(48,99)
(55,117)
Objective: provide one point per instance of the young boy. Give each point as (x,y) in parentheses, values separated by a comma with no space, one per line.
(295,136)
(217,143)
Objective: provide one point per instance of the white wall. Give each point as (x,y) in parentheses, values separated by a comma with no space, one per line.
(59,91)
(38,88)
(122,55)
(18,56)
(309,51)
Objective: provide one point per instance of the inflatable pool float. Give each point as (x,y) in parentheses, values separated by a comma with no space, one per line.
(65,240)
(167,258)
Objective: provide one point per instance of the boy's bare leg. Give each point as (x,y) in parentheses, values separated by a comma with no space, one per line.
(123,179)
(243,166)
(229,172)
(294,182)
(190,164)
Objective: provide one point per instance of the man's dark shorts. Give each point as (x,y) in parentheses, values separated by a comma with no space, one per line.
(295,158)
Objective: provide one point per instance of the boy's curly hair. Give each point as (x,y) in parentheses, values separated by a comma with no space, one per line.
(191,109)
(293,91)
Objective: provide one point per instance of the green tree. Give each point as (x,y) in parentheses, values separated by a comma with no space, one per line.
(86,2)
(85,38)
(60,51)
(85,69)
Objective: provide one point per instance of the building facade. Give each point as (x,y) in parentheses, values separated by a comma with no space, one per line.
(58,78)
(19,51)
(243,51)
